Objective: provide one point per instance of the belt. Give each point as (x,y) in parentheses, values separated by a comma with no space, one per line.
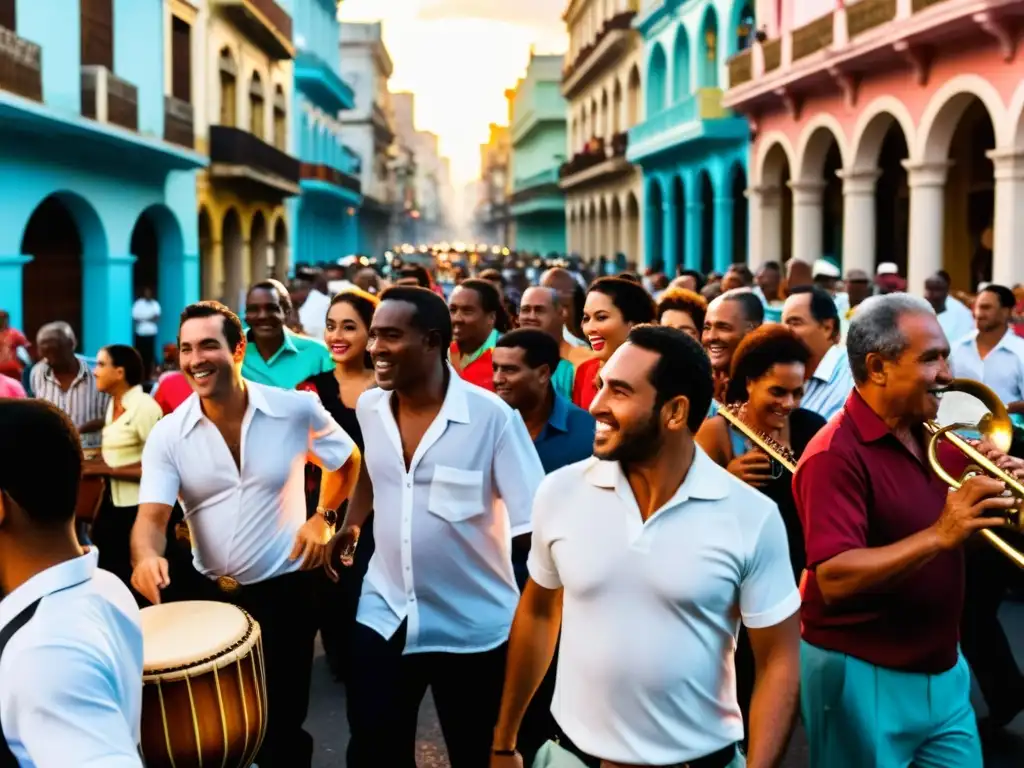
(720,759)
(228,585)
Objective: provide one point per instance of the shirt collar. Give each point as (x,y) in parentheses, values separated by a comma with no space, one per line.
(59,577)
(455,406)
(288,345)
(193,409)
(866,422)
(467,360)
(828,364)
(705,480)
(83,371)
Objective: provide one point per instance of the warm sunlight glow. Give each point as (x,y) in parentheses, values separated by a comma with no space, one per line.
(458,57)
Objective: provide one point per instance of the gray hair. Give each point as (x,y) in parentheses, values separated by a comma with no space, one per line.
(61,330)
(556,300)
(875,328)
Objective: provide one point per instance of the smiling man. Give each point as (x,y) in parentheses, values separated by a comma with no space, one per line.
(234,456)
(542,308)
(274,355)
(478,318)
(729,318)
(650,547)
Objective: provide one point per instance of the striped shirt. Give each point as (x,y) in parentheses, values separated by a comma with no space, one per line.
(830,384)
(82,402)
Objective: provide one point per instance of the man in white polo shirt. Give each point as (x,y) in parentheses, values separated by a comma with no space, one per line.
(649,555)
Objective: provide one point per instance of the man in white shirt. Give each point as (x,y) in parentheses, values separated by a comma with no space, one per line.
(956,319)
(70,635)
(146,315)
(234,455)
(313,312)
(451,474)
(648,555)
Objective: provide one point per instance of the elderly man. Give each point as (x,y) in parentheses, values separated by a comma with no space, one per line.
(729,318)
(542,308)
(64,379)
(572,295)
(883,681)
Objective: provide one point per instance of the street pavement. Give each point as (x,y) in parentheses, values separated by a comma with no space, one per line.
(328,725)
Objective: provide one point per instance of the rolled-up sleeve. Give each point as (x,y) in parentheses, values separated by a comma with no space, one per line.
(541,563)
(517,473)
(831,496)
(327,440)
(161,480)
(768,592)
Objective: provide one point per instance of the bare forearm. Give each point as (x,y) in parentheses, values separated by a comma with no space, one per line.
(858,570)
(361,503)
(531,648)
(149,534)
(773,712)
(127,472)
(92,426)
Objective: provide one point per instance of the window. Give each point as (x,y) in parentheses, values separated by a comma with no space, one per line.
(8,15)
(228,93)
(181,60)
(257,114)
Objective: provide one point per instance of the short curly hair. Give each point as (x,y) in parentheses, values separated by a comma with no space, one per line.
(758,351)
(684,300)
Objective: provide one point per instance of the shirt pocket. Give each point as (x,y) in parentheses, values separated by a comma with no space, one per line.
(456,494)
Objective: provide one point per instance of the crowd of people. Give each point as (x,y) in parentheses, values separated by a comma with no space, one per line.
(615,521)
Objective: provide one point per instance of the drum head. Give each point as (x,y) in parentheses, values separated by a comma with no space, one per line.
(183,634)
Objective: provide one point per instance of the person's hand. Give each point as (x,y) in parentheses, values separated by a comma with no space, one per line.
(150,576)
(341,552)
(753,468)
(1009,464)
(978,504)
(506,761)
(311,542)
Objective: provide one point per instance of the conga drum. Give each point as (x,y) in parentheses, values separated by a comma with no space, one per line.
(204,694)
(90,497)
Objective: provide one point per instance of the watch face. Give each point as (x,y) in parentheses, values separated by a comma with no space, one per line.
(330,517)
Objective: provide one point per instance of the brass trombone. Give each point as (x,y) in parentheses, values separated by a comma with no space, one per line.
(997,427)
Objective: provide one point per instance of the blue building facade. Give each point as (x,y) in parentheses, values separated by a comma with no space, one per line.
(693,152)
(97,165)
(325,217)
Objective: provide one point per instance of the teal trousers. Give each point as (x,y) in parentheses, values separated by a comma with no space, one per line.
(858,715)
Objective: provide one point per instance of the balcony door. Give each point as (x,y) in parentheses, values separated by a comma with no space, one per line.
(97,29)
(181,60)
(8,15)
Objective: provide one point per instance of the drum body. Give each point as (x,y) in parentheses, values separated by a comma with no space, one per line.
(90,497)
(204,696)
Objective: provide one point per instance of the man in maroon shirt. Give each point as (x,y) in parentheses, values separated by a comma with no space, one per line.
(883,681)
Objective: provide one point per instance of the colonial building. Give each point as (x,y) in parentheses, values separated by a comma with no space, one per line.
(369,129)
(538,150)
(693,151)
(242,118)
(97,162)
(602,83)
(887,130)
(492,218)
(325,219)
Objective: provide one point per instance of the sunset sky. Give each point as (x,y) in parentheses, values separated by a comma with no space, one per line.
(458,57)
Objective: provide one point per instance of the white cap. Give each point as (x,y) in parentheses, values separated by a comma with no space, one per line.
(887,268)
(825,268)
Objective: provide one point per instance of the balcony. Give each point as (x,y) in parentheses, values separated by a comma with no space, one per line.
(331,181)
(238,157)
(108,98)
(21,66)
(383,131)
(598,160)
(264,22)
(608,46)
(840,48)
(322,84)
(698,117)
(537,193)
(179,125)
(740,68)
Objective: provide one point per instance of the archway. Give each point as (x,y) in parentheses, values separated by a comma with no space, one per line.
(617,107)
(738,193)
(206,269)
(892,200)
(52,281)
(655,227)
(633,97)
(657,77)
(232,245)
(606,246)
(634,250)
(260,263)
(818,195)
(707,222)
(776,233)
(145,247)
(679,237)
(281,266)
(681,66)
(707,67)
(743,23)
(615,231)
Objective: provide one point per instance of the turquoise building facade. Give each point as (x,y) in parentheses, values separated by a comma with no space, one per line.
(97,169)
(692,151)
(325,216)
(538,134)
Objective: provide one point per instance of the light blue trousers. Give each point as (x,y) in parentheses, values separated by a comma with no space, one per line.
(858,715)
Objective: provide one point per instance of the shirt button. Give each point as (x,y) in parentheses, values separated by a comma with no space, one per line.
(408,485)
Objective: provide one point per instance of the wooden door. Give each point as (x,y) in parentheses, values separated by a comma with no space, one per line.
(181,60)
(98,33)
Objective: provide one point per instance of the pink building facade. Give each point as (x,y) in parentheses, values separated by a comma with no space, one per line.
(887,130)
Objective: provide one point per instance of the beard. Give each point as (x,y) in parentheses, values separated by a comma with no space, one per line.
(639,443)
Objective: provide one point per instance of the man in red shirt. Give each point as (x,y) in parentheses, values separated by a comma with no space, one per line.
(883,680)
(478,319)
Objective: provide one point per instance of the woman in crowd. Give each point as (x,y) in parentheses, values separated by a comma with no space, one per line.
(346,334)
(766,384)
(613,306)
(684,310)
(131,416)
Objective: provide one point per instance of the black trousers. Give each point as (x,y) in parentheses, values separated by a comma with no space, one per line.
(111,533)
(386,688)
(285,609)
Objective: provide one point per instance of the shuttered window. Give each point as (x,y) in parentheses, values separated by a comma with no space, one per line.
(98,33)
(8,17)
(181,60)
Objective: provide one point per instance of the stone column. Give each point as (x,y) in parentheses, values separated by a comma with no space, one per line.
(1008,227)
(670,219)
(927,184)
(11,288)
(694,235)
(107,300)
(859,219)
(807,219)
(723,233)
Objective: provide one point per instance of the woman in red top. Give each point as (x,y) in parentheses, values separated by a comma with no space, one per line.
(612,308)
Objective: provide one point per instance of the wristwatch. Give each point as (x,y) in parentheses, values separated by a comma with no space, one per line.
(330,516)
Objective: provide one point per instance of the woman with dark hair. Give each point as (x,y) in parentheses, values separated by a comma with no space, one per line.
(684,310)
(613,306)
(346,333)
(478,319)
(131,416)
